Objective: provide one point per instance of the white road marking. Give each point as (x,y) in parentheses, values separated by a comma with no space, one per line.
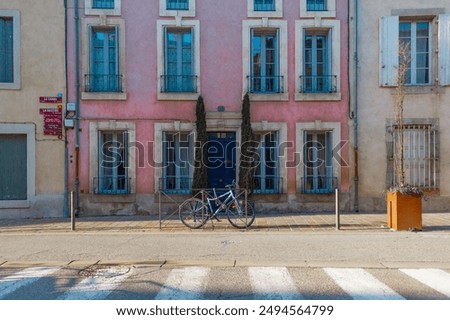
(23,278)
(184,284)
(361,285)
(99,285)
(272,283)
(438,280)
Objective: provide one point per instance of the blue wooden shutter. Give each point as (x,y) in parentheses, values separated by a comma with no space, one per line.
(389,28)
(444,49)
(13,167)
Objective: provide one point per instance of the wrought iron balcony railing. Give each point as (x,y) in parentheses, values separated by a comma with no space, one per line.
(177,5)
(316,5)
(261,6)
(103,82)
(175,185)
(170,83)
(267,185)
(112,185)
(269,84)
(319,184)
(103,4)
(318,84)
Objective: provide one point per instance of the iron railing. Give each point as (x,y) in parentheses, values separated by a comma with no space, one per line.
(177,5)
(103,4)
(316,5)
(175,185)
(319,184)
(318,84)
(266,84)
(170,83)
(267,185)
(264,5)
(103,82)
(112,185)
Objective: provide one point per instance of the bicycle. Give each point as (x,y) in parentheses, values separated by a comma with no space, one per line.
(195,212)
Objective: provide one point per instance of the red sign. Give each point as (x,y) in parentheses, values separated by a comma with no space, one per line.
(52,121)
(50,99)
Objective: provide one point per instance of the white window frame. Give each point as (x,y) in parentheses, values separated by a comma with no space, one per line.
(163,12)
(281,25)
(87,25)
(301,128)
(16,84)
(330,13)
(162,25)
(117,11)
(334,30)
(30,131)
(94,129)
(278,13)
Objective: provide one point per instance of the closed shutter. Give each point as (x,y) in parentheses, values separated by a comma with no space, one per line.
(444,49)
(13,167)
(388,50)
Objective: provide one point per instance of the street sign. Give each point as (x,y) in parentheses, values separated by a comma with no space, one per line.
(50,99)
(52,121)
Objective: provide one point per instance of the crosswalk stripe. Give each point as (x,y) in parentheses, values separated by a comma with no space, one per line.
(23,278)
(184,284)
(272,283)
(361,285)
(98,286)
(438,280)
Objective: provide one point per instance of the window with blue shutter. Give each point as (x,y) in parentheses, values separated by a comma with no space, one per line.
(103,4)
(444,49)
(266,179)
(264,5)
(179,66)
(113,163)
(177,150)
(177,5)
(6,50)
(104,61)
(265,77)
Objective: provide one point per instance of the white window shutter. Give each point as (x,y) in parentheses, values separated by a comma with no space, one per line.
(444,49)
(388,50)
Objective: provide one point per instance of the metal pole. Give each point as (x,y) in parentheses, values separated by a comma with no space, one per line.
(72,212)
(338,222)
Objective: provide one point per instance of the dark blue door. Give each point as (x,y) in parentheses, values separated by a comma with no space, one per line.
(221,159)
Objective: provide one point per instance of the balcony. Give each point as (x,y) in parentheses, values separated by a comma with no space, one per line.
(261,6)
(318,184)
(267,185)
(265,85)
(318,84)
(178,84)
(103,82)
(177,5)
(174,185)
(112,185)
(316,5)
(103,4)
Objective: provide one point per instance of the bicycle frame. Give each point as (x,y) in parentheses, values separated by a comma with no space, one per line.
(229,196)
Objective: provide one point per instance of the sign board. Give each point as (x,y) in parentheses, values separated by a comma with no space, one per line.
(50,99)
(52,121)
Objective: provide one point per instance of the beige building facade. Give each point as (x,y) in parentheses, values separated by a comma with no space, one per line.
(32,107)
(377,30)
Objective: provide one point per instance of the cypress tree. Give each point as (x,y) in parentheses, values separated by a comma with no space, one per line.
(248,149)
(200,177)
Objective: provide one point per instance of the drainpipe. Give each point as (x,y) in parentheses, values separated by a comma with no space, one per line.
(77,108)
(355,111)
(66,150)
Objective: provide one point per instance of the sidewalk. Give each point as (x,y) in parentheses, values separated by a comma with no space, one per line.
(289,222)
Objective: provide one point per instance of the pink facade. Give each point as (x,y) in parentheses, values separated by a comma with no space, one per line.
(222,31)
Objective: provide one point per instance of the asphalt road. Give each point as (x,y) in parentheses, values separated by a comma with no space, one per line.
(321,249)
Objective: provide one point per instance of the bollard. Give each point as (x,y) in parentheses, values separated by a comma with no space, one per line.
(72,212)
(338,222)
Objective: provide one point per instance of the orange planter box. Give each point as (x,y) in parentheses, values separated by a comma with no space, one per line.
(404,211)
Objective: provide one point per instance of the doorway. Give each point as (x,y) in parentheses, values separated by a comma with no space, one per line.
(221,159)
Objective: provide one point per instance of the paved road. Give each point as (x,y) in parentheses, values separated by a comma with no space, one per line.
(168,282)
(322,249)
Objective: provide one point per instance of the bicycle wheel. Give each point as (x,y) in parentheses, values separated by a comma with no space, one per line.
(192,213)
(238,216)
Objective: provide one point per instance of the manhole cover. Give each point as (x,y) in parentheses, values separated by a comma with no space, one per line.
(104,271)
